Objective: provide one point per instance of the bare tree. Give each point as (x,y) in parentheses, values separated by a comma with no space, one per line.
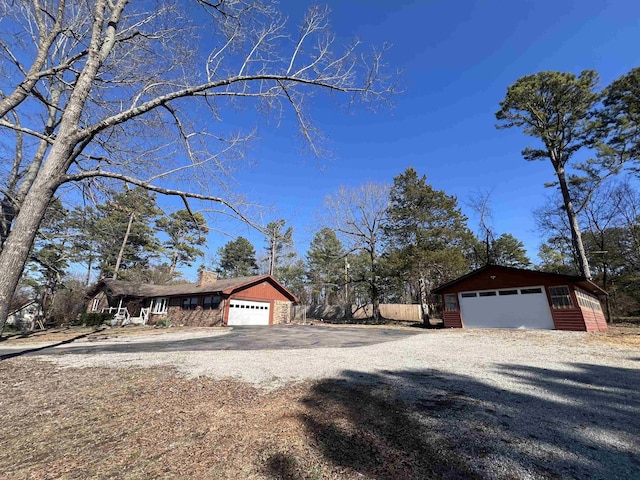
(118,90)
(357,215)
(480,203)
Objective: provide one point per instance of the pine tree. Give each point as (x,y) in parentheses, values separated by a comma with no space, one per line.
(326,260)
(127,237)
(426,235)
(237,259)
(186,232)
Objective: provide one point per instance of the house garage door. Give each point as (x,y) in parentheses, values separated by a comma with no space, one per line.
(508,308)
(244,312)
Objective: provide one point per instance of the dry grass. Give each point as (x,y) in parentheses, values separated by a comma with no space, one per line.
(150,423)
(64,334)
(619,335)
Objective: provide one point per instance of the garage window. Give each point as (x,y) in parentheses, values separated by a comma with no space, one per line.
(211,302)
(487,294)
(469,295)
(588,301)
(450,302)
(508,292)
(527,291)
(560,297)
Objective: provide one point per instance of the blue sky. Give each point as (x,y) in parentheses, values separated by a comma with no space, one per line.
(457,60)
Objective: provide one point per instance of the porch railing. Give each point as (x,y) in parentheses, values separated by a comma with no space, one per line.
(120,315)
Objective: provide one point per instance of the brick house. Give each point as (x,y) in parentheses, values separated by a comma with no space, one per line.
(254,300)
(505,297)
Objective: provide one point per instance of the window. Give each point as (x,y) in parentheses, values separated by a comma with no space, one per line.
(160,305)
(508,292)
(211,302)
(450,302)
(468,295)
(487,294)
(560,297)
(94,305)
(587,300)
(527,291)
(190,303)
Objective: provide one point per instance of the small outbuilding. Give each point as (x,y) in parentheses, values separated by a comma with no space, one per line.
(254,300)
(506,297)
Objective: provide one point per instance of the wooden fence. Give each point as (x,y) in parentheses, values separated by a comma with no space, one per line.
(391,311)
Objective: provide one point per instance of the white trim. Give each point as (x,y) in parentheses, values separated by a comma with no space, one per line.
(159,305)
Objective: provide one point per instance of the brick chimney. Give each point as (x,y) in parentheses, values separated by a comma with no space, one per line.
(207,277)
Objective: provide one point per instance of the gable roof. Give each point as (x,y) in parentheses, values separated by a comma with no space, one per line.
(580,281)
(225,286)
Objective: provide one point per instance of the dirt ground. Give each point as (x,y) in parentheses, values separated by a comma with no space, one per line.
(138,423)
(142,423)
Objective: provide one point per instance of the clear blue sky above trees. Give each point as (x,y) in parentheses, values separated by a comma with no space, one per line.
(457,60)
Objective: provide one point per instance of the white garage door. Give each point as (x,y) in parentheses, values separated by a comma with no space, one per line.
(244,312)
(512,308)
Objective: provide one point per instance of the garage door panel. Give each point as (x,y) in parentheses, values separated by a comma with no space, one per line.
(246,312)
(521,310)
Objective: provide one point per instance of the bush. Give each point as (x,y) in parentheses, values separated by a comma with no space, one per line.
(95,319)
(164,322)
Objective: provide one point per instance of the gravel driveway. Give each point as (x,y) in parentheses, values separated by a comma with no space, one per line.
(540,403)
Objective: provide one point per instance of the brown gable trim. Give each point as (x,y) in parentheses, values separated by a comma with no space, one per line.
(582,281)
(223,286)
(275,283)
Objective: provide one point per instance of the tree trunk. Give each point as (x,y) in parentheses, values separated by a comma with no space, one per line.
(123,246)
(424,302)
(17,247)
(576,236)
(272,255)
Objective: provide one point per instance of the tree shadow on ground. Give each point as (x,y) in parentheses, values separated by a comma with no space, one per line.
(582,422)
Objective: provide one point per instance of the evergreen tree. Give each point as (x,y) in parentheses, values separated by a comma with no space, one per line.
(556,108)
(426,235)
(326,263)
(186,232)
(237,259)
(506,250)
(279,245)
(127,237)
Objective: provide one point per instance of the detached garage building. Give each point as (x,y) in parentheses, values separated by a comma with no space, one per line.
(254,300)
(505,297)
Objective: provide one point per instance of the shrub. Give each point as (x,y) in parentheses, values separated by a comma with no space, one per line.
(163,322)
(95,319)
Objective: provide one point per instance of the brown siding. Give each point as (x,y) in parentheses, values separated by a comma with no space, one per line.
(594,320)
(568,319)
(262,291)
(103,302)
(452,319)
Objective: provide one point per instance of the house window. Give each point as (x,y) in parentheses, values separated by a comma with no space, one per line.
(160,305)
(560,297)
(211,302)
(190,303)
(450,302)
(94,304)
